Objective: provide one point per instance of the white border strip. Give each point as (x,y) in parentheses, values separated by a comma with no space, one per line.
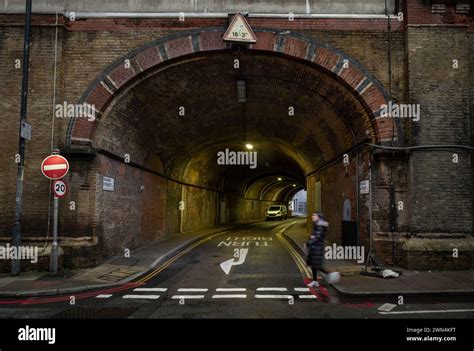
(151,297)
(427,311)
(287,297)
(272,289)
(151,289)
(230,296)
(307,297)
(176,15)
(185,297)
(192,290)
(230,289)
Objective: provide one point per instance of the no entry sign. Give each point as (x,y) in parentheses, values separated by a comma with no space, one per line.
(54,167)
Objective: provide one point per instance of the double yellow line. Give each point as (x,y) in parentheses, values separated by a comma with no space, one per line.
(300,263)
(293,253)
(177,256)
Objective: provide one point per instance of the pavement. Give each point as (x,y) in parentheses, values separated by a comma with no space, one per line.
(113,272)
(409,283)
(120,270)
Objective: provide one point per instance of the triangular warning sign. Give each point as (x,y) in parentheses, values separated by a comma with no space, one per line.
(239,30)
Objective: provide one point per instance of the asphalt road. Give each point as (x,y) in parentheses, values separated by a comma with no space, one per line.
(244,273)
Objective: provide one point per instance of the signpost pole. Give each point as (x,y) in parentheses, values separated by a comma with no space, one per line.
(16,230)
(53,267)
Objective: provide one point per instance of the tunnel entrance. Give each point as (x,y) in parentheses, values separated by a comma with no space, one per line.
(217,135)
(298,204)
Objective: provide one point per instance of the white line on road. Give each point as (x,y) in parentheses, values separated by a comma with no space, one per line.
(302,289)
(307,297)
(271,289)
(151,297)
(427,311)
(273,296)
(387,307)
(230,296)
(179,297)
(103,296)
(191,290)
(151,289)
(230,289)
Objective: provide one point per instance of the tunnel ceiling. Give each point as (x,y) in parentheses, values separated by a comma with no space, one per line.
(145,121)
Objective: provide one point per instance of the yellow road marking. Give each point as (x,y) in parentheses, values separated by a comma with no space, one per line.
(300,263)
(174,258)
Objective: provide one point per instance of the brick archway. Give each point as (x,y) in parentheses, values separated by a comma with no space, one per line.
(102,91)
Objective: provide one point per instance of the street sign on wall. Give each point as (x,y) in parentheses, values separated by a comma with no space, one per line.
(364,187)
(25,130)
(108,184)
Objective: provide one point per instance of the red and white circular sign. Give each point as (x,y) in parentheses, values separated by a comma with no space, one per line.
(54,167)
(59,188)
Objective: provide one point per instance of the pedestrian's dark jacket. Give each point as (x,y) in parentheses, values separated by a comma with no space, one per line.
(315,245)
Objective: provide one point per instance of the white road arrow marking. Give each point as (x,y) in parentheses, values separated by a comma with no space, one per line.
(227,265)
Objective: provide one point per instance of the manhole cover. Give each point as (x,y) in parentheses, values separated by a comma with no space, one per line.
(96,313)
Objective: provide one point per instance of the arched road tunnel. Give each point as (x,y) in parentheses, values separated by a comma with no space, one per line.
(170,123)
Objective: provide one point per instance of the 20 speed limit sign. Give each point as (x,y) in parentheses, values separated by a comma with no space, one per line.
(59,188)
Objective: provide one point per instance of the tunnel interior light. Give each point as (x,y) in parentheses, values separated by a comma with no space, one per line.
(294,185)
(280,179)
(241,91)
(249,146)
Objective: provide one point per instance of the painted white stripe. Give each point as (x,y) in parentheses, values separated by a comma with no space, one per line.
(307,297)
(302,289)
(152,297)
(427,311)
(191,290)
(151,289)
(387,307)
(271,289)
(230,289)
(273,296)
(53,167)
(179,297)
(103,296)
(230,296)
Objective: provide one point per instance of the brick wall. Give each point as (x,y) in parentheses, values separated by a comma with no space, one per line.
(443,94)
(421,73)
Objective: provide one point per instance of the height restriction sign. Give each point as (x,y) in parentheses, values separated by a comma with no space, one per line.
(54,167)
(239,30)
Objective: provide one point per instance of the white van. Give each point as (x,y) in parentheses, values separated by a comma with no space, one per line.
(277,212)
